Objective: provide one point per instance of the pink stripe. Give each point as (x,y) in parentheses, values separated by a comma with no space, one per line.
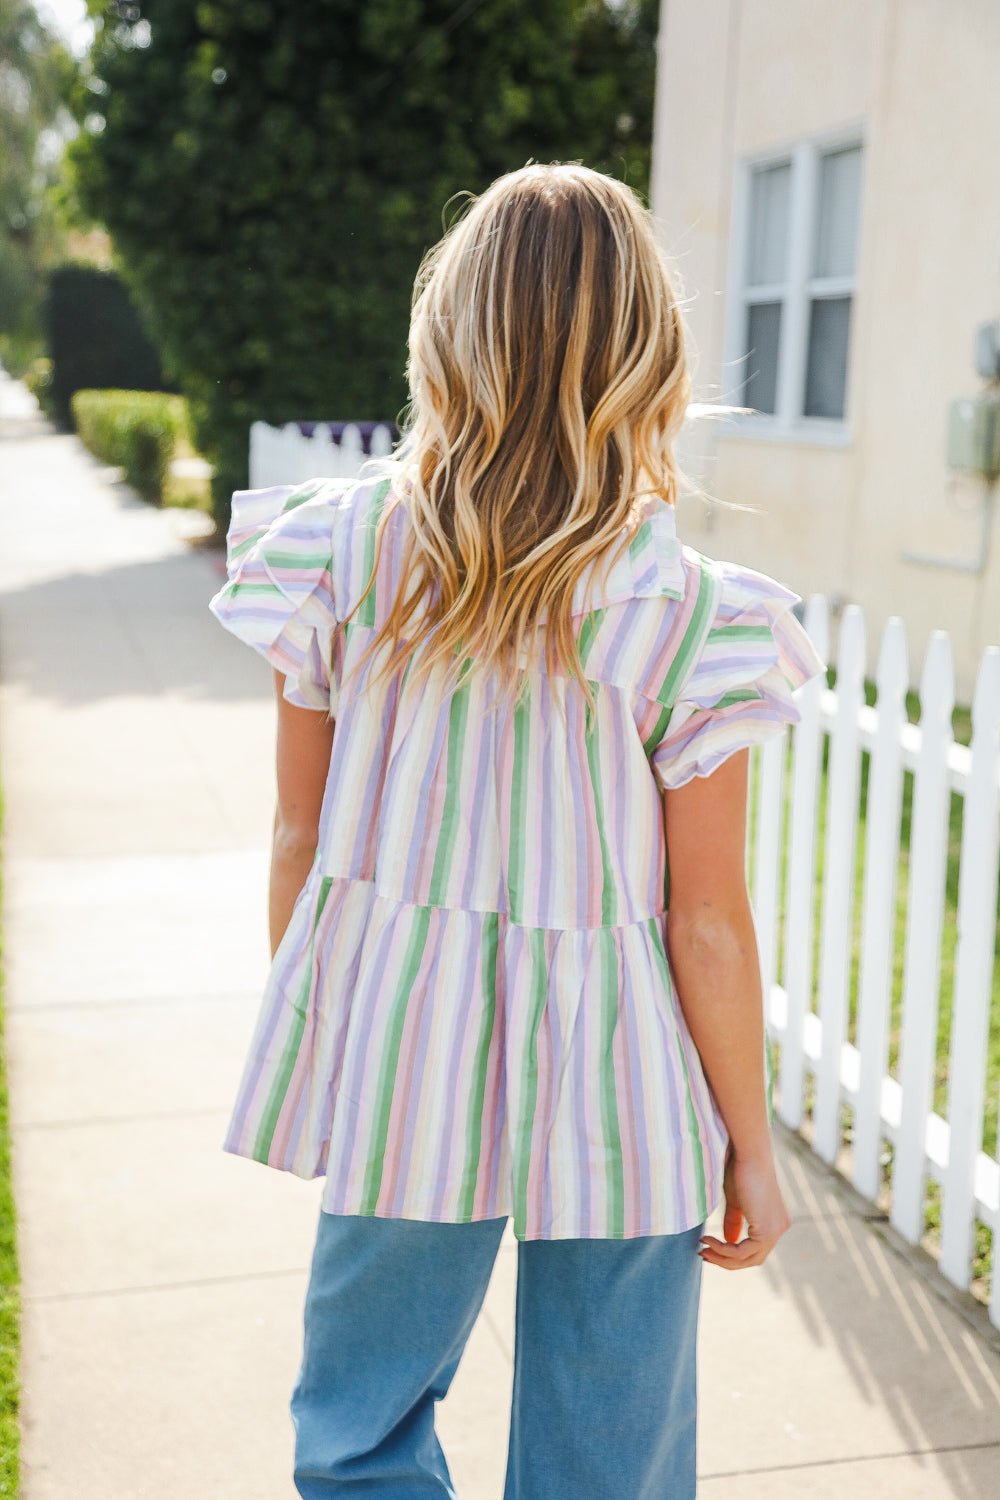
(480,751)
(418,1016)
(370,1007)
(268,1045)
(460,1064)
(627,1123)
(593,1125)
(431,820)
(659,664)
(535,810)
(494,1100)
(592,842)
(503,771)
(543,1106)
(285,1142)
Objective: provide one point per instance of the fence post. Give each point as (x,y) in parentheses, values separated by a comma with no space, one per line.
(884,807)
(381,441)
(770,826)
(838,881)
(977,891)
(324,454)
(351,449)
(925,910)
(806,746)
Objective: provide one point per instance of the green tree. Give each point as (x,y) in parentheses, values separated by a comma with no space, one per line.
(271,174)
(36,78)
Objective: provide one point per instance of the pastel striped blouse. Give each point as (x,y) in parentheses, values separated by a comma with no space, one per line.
(471,1012)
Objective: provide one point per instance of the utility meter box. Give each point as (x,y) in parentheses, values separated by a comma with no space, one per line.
(974,434)
(987,350)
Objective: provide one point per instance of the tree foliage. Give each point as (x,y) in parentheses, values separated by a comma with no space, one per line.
(271,174)
(36,77)
(94,337)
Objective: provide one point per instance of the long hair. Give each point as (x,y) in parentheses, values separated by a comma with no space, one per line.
(548,379)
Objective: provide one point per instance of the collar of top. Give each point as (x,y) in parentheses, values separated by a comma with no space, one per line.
(650,565)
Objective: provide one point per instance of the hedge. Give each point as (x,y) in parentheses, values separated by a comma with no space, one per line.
(136,430)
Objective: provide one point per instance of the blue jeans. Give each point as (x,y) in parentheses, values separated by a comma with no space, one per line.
(604,1399)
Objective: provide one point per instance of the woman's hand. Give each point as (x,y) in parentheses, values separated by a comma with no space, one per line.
(750,1187)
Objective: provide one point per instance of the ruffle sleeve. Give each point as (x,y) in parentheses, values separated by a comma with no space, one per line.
(741,690)
(279,596)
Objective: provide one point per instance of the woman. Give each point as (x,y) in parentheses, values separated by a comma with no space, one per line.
(509,701)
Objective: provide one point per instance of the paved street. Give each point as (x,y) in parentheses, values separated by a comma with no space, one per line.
(163,1279)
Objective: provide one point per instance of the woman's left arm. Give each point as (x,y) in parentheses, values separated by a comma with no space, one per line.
(302,763)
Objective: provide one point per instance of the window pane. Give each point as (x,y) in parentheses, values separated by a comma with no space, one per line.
(837,220)
(826,371)
(767,248)
(761,362)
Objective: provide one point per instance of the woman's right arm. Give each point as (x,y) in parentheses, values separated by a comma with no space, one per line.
(712,945)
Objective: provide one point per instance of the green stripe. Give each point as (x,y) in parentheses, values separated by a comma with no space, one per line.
(696,1151)
(279,1085)
(659,729)
(295,499)
(640,541)
(298,559)
(302,493)
(366,614)
(474,1120)
(406,674)
(588,632)
(457,717)
(725,633)
(529,1076)
(236,552)
(690,645)
(519,805)
(709,585)
(609,905)
(390,1059)
(739,695)
(609,1097)
(236,587)
(693,635)
(588,635)
(692,1118)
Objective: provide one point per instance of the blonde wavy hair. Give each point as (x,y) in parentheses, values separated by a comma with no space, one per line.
(548,379)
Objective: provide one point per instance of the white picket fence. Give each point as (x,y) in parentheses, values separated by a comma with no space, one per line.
(287,455)
(898,1109)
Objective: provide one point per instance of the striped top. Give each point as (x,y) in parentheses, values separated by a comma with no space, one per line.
(471,1012)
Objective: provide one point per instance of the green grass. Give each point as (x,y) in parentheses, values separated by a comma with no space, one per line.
(10,1303)
(187,493)
(981,1268)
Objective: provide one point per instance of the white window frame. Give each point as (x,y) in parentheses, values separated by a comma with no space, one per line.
(787,423)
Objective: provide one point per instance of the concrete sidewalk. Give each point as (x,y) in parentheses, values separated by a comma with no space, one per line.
(163,1280)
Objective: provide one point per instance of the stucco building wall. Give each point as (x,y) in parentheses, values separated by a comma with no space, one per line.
(919,79)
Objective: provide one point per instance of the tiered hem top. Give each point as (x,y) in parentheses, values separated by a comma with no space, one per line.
(471,1012)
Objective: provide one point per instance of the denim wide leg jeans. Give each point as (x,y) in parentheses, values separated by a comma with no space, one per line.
(604,1401)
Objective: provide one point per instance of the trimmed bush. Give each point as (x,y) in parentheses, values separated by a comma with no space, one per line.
(136,430)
